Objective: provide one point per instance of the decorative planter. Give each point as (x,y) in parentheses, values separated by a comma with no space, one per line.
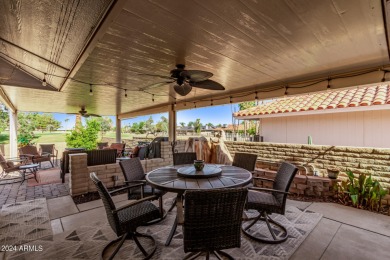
(333,174)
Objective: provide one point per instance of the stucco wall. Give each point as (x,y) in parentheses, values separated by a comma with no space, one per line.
(362,129)
(360,160)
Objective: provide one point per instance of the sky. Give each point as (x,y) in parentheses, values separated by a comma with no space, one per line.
(215,115)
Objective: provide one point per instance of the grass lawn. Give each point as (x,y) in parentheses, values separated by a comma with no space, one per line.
(112,135)
(46,137)
(4,138)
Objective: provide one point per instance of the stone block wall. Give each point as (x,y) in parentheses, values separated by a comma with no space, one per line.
(80,183)
(317,158)
(302,184)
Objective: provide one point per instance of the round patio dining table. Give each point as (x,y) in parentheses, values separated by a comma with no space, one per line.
(180,178)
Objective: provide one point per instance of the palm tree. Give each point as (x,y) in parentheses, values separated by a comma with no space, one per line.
(197,126)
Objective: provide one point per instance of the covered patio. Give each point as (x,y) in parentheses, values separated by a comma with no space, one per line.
(125,58)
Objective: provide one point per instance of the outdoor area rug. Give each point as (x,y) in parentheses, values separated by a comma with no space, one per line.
(23,222)
(10,178)
(87,242)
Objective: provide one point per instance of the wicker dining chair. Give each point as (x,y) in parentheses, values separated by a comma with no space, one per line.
(125,220)
(246,161)
(212,221)
(268,202)
(49,150)
(134,173)
(183,158)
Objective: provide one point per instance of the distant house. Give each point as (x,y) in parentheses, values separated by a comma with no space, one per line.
(348,117)
(230,128)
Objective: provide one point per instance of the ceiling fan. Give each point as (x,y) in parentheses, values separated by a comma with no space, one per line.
(84,113)
(185,80)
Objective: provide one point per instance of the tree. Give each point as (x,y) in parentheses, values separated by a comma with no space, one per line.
(105,124)
(45,122)
(26,126)
(4,118)
(197,126)
(182,124)
(84,136)
(245,105)
(162,125)
(251,126)
(148,126)
(190,124)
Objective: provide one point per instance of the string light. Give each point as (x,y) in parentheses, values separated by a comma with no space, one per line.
(328,86)
(256,98)
(211,102)
(90,90)
(44,83)
(231,101)
(174,104)
(384,76)
(286,92)
(195,104)
(152,97)
(185,103)
(125,93)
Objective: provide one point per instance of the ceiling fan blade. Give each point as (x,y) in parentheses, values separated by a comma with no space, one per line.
(208,84)
(196,75)
(95,115)
(154,85)
(154,75)
(182,89)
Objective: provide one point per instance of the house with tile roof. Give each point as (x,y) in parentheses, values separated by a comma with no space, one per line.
(358,116)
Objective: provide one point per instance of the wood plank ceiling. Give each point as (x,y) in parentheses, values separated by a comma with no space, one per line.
(245,44)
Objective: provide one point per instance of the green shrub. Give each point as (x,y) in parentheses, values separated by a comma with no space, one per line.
(362,192)
(85,137)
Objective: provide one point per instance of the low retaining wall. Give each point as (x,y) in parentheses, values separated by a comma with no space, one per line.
(80,183)
(318,158)
(302,184)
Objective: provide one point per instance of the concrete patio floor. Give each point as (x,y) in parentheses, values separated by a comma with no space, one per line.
(342,233)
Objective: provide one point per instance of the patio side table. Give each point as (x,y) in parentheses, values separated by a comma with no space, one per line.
(29,169)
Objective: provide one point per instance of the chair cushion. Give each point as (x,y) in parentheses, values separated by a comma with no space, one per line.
(263,201)
(134,216)
(135,151)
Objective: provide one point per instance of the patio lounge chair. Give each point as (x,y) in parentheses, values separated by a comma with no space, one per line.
(134,174)
(246,161)
(120,148)
(31,153)
(8,166)
(212,221)
(49,149)
(183,158)
(125,220)
(271,201)
(102,145)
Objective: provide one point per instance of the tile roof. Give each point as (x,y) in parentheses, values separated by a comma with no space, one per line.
(356,97)
(229,128)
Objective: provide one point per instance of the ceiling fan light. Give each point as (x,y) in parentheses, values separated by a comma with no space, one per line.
(44,83)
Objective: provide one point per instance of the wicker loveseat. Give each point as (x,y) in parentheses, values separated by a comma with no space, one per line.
(94,157)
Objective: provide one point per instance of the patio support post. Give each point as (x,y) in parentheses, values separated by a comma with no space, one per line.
(118,134)
(13,133)
(172,124)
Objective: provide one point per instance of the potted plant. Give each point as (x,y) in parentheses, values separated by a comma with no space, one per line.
(333,172)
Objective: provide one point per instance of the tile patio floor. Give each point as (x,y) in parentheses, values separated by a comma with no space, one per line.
(15,192)
(342,233)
